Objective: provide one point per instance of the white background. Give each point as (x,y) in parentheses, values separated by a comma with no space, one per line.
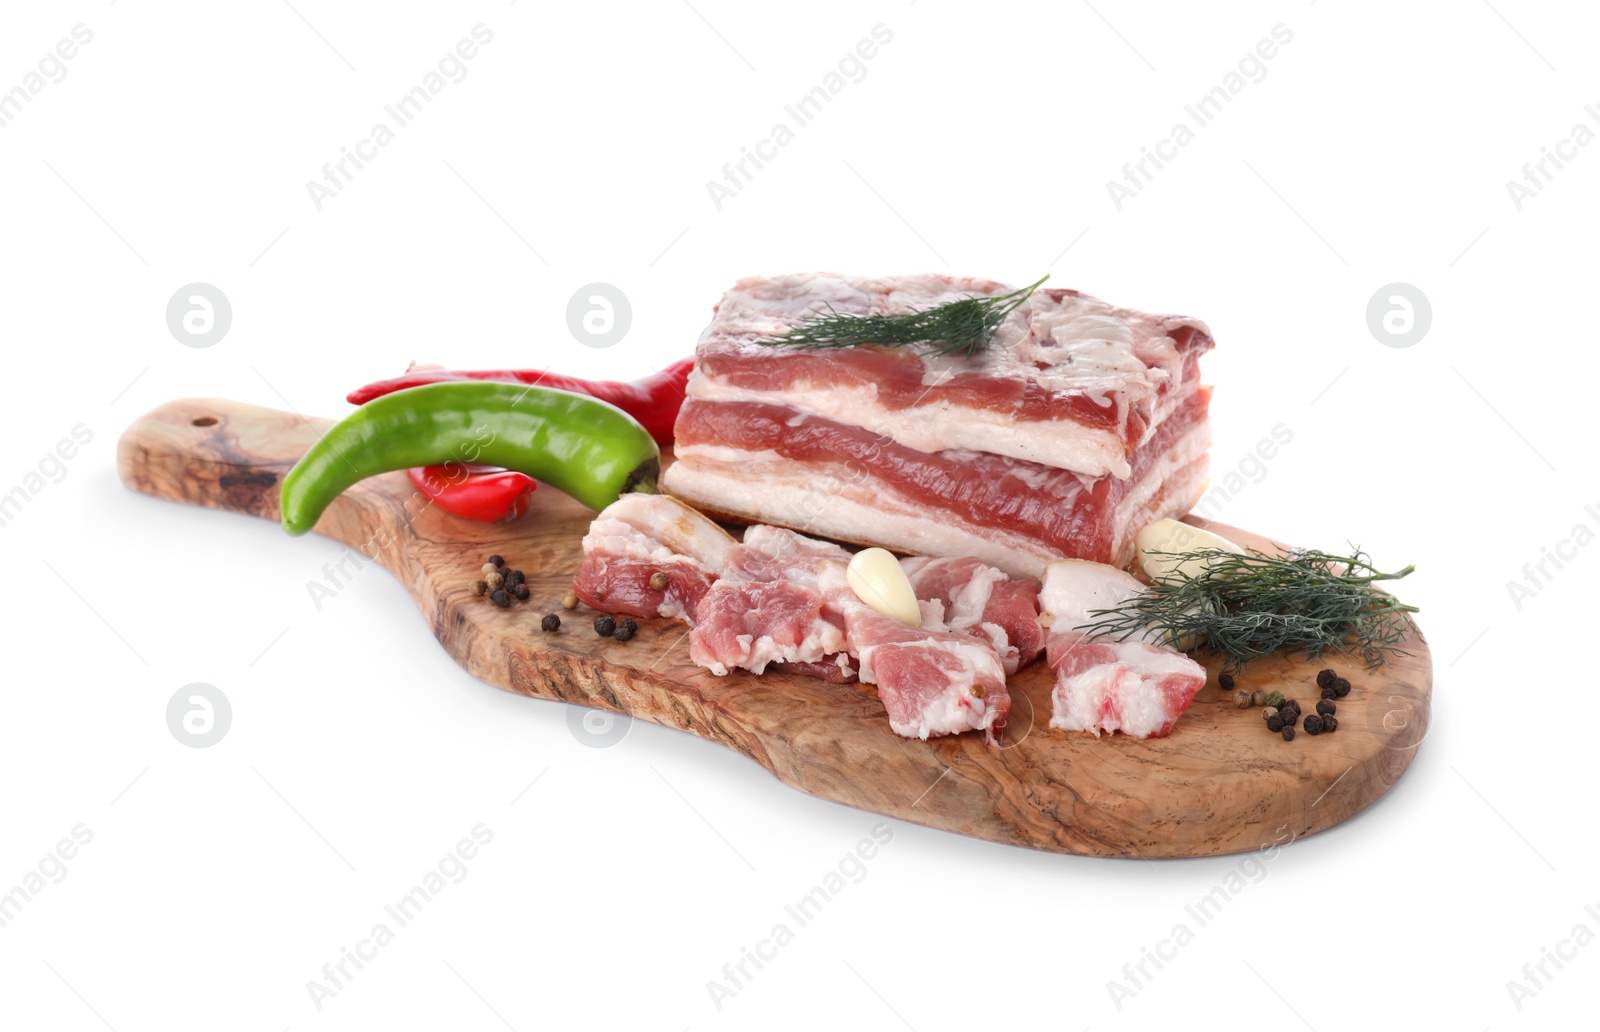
(578,148)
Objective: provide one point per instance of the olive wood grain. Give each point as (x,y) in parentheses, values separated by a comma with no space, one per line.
(1220,783)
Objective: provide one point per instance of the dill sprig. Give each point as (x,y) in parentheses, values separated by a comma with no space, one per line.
(1246,607)
(962,327)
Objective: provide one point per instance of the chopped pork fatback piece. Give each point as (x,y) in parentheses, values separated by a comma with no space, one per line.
(981,601)
(930,682)
(642,539)
(1079,424)
(781,601)
(1137,686)
(750,624)
(766,608)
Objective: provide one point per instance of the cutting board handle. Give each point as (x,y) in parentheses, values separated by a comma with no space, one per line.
(229,455)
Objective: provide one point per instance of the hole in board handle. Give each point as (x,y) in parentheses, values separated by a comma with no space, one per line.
(205,421)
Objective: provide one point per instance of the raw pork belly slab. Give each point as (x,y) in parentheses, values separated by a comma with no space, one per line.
(1079,424)
(1137,686)
(1069,380)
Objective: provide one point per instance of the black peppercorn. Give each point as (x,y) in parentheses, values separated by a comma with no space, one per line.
(1341,687)
(1329,693)
(1276,722)
(499,597)
(1313,725)
(605,625)
(551,622)
(625,630)
(497,560)
(1288,732)
(1225,681)
(515,577)
(1330,724)
(521,591)
(1326,708)
(1325,678)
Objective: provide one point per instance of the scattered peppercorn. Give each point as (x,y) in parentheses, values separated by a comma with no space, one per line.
(569,600)
(625,630)
(521,591)
(1330,724)
(1258,698)
(658,581)
(1225,681)
(1275,699)
(1326,708)
(1325,678)
(495,580)
(497,560)
(1313,725)
(515,577)
(1241,698)
(1290,707)
(605,625)
(1329,693)
(1276,722)
(499,597)
(479,589)
(1288,732)
(1269,713)
(1341,687)
(551,622)
(487,568)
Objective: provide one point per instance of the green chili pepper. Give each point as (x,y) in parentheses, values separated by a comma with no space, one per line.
(590,449)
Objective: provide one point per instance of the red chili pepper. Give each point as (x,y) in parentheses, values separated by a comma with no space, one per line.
(654,400)
(477,492)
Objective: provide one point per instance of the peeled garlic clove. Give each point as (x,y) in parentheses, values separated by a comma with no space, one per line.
(1174,536)
(874,574)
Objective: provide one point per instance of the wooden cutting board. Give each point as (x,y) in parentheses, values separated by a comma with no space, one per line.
(1220,783)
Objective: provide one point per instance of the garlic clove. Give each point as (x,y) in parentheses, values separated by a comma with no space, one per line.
(874,574)
(1175,536)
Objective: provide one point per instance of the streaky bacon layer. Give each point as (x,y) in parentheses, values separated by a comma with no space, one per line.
(775,464)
